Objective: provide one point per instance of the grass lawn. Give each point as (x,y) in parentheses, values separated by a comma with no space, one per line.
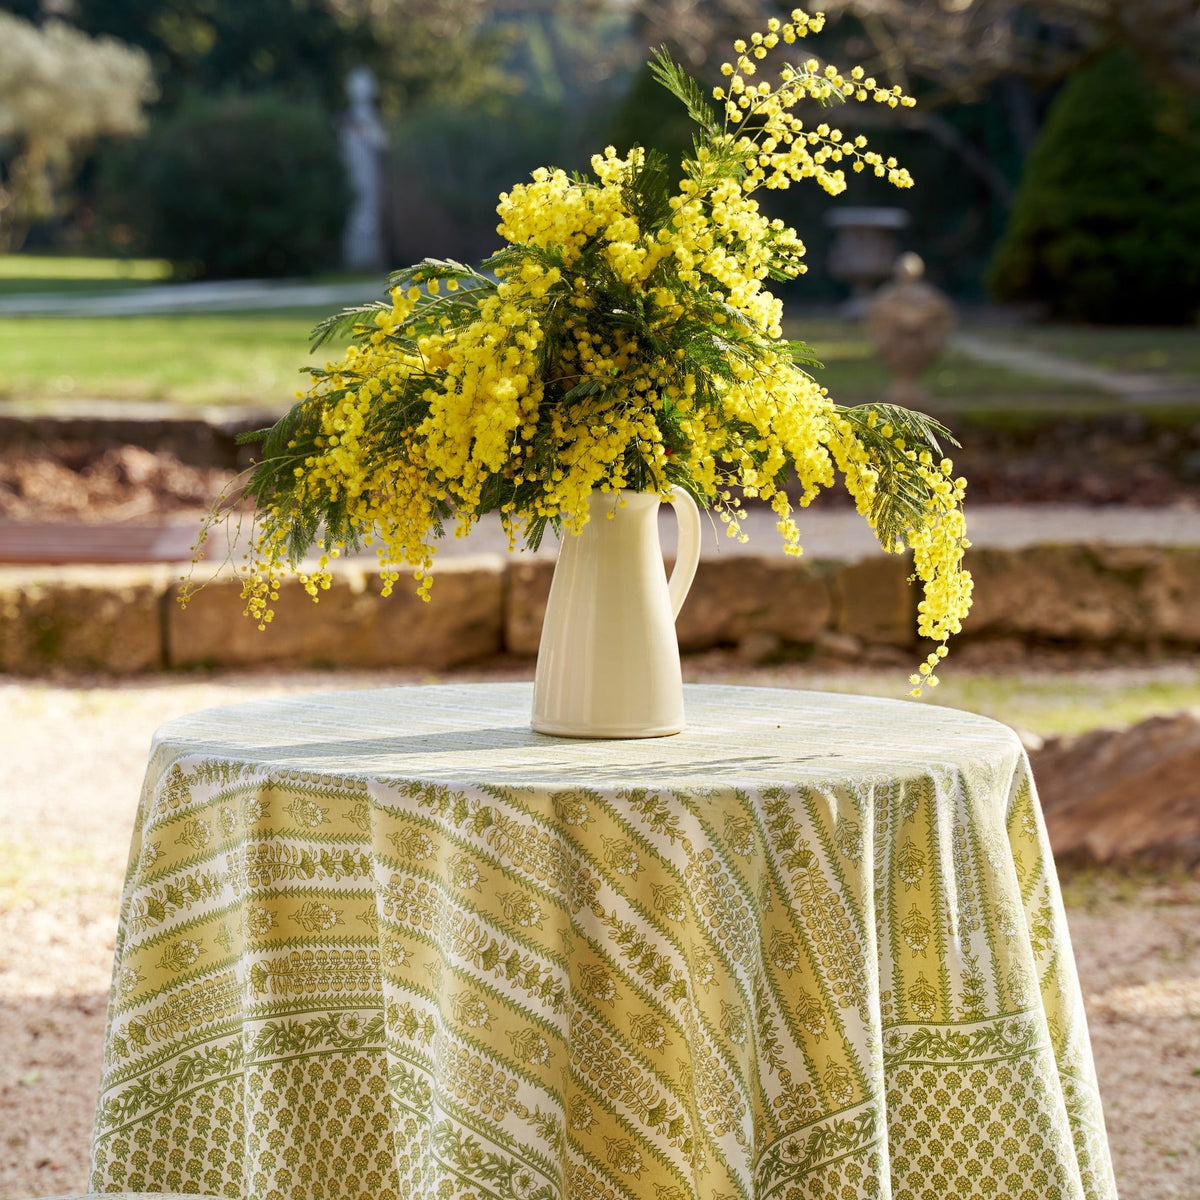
(1059,704)
(68,269)
(200,358)
(25,273)
(1047,703)
(254,358)
(954,383)
(1169,352)
(193,358)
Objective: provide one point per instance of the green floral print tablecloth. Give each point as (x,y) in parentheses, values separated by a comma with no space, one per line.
(392,945)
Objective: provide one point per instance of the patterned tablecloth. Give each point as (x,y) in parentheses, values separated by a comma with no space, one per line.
(392,945)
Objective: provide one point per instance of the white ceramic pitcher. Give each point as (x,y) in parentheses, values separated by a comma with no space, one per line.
(608,663)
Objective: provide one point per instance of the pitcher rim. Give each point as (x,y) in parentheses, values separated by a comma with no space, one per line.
(628,495)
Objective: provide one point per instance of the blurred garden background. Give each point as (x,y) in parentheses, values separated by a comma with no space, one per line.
(1056,149)
(150,145)
(1056,145)
(174,201)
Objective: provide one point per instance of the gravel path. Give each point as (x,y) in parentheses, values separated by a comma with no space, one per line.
(73,761)
(218,295)
(1132,386)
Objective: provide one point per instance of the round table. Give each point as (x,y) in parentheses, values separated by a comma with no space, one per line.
(394,945)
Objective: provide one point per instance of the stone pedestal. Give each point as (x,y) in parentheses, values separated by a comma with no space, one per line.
(864,249)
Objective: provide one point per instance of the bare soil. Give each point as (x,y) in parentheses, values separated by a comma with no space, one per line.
(74,755)
(84,483)
(1104,461)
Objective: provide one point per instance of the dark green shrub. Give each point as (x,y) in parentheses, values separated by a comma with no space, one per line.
(1106,223)
(244,186)
(650,116)
(448,166)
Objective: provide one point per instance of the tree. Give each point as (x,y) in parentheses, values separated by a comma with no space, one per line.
(59,90)
(1106,225)
(297,47)
(418,49)
(980,68)
(959,47)
(573,52)
(481,53)
(427,51)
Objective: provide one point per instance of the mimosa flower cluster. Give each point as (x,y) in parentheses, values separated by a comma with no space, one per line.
(624,337)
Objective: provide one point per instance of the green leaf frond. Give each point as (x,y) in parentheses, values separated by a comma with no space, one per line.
(685,89)
(517,255)
(358,321)
(803,355)
(251,437)
(510,256)
(536,530)
(588,387)
(284,447)
(346,323)
(678,476)
(459,305)
(900,504)
(647,193)
(901,501)
(918,429)
(438,268)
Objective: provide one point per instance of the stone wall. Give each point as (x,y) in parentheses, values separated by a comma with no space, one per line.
(128,619)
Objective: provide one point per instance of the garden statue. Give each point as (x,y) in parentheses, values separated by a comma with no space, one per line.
(864,249)
(363,139)
(908,323)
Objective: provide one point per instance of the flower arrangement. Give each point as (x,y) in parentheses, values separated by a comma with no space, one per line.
(624,337)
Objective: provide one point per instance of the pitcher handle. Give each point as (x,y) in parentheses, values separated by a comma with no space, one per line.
(687,553)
